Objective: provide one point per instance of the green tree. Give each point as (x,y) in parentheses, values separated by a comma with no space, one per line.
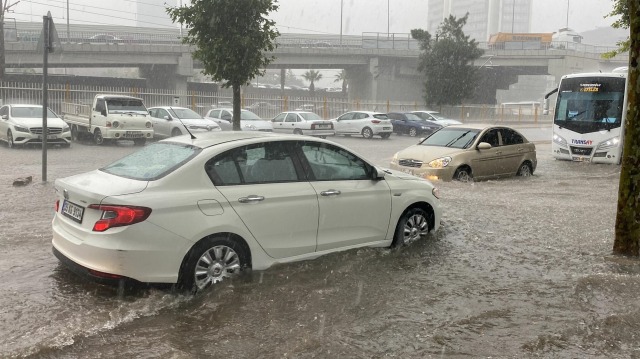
(620,8)
(627,231)
(447,62)
(230,39)
(312,76)
(342,77)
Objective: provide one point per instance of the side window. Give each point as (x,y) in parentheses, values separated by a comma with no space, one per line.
(152,112)
(215,114)
(280,117)
(331,163)
(510,137)
(360,116)
(226,115)
(162,113)
(292,117)
(491,137)
(4,111)
(346,116)
(268,162)
(100,105)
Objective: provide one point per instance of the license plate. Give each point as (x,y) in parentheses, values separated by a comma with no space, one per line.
(407,171)
(49,137)
(133,134)
(581,159)
(73,211)
(324,126)
(386,128)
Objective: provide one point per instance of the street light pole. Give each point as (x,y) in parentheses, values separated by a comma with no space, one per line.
(388,17)
(567,14)
(513,17)
(341,5)
(67,25)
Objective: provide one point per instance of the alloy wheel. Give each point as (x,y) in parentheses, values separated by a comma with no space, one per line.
(366,133)
(463,176)
(215,264)
(413,132)
(525,171)
(415,227)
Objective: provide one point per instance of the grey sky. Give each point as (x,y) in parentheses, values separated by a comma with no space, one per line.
(324,15)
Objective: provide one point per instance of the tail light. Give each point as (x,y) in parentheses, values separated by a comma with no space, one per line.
(375,121)
(119,216)
(57,206)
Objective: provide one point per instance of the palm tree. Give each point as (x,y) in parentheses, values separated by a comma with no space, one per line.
(312,76)
(342,76)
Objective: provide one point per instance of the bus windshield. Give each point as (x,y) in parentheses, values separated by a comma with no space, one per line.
(590,104)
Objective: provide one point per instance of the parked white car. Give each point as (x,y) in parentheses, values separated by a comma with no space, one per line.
(365,123)
(303,123)
(249,121)
(170,121)
(22,124)
(436,117)
(195,212)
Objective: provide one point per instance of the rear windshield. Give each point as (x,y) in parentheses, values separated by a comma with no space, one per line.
(249,116)
(310,116)
(381,116)
(153,162)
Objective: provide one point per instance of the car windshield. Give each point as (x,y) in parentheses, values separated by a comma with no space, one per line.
(414,117)
(437,116)
(452,137)
(30,112)
(381,116)
(310,116)
(152,162)
(249,116)
(126,105)
(184,113)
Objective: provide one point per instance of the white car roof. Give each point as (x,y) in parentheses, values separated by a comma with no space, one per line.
(26,105)
(170,107)
(368,112)
(228,109)
(208,139)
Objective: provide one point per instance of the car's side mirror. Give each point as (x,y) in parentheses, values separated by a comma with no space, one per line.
(5,117)
(378,174)
(167,118)
(484,146)
(422,139)
(545,109)
(103,113)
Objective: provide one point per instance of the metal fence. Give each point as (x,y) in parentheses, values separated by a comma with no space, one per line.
(265,106)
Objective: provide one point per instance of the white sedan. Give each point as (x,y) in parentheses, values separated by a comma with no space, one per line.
(365,123)
(171,121)
(22,124)
(303,123)
(195,212)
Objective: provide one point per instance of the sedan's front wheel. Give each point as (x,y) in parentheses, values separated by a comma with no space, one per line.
(212,261)
(413,224)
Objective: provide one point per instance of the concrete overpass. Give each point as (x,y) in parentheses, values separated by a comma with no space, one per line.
(378,68)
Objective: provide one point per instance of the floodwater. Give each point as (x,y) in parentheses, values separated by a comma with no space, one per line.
(520,268)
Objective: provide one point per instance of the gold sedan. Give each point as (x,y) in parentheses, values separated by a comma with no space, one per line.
(466,152)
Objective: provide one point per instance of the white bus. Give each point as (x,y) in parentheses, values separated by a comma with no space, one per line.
(589,119)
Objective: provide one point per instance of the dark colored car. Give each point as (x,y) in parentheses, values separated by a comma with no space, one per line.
(411,124)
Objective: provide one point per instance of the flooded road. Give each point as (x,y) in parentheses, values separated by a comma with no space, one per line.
(520,268)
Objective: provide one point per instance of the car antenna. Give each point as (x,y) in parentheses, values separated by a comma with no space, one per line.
(185,126)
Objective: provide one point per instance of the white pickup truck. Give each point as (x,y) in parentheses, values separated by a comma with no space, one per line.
(111,117)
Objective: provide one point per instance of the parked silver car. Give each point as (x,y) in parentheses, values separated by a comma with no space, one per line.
(171,121)
(249,121)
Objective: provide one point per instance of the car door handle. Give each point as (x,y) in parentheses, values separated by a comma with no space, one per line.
(331,192)
(520,149)
(251,199)
(498,152)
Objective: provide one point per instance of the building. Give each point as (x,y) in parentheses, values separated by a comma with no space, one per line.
(486,17)
(153,13)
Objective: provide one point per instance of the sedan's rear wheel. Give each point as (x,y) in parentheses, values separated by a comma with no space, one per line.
(367,133)
(212,261)
(385,135)
(413,132)
(413,224)
(525,170)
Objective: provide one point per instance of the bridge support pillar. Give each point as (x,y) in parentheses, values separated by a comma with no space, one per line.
(169,77)
(386,79)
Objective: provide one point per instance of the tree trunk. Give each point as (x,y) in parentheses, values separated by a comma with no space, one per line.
(627,235)
(236,107)
(312,88)
(344,86)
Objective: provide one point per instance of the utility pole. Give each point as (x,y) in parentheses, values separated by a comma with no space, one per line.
(68,33)
(567,14)
(513,17)
(3,8)
(388,17)
(45,104)
(341,6)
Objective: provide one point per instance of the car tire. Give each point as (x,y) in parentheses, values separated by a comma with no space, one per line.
(10,142)
(97,137)
(297,131)
(323,137)
(139,141)
(463,174)
(176,132)
(413,224)
(385,135)
(367,133)
(65,145)
(525,169)
(413,132)
(74,133)
(189,280)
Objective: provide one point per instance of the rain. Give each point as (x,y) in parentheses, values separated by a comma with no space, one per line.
(519,266)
